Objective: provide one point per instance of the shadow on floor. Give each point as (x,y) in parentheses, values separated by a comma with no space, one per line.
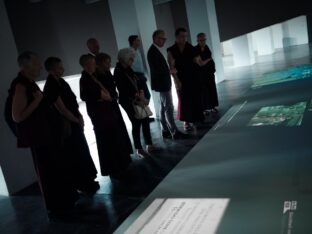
(115,200)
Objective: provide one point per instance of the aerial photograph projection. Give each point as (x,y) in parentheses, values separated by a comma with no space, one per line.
(310,107)
(294,73)
(282,115)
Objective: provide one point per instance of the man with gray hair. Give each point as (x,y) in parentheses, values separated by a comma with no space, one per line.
(161,82)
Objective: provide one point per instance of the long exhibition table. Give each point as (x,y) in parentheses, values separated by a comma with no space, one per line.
(251,173)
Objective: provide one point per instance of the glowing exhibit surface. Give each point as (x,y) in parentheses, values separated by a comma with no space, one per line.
(180,216)
(291,115)
(3,186)
(294,73)
(310,107)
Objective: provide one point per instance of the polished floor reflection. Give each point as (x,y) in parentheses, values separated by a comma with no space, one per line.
(24,212)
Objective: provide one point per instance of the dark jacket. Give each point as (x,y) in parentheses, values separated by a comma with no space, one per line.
(160,73)
(36,129)
(100,112)
(127,89)
(206,54)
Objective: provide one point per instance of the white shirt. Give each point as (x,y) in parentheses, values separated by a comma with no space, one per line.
(137,65)
(161,51)
(157,47)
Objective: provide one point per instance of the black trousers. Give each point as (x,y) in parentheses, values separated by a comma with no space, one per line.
(113,155)
(78,158)
(136,127)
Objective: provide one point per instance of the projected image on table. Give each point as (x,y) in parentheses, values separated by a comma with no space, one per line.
(310,107)
(282,115)
(180,216)
(294,73)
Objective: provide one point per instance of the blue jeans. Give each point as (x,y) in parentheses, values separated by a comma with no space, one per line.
(166,113)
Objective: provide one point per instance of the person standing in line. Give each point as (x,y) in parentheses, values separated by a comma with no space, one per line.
(106,78)
(114,159)
(207,77)
(183,57)
(161,82)
(129,92)
(34,119)
(138,66)
(74,144)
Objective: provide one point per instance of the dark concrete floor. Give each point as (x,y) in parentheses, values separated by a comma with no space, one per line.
(25,213)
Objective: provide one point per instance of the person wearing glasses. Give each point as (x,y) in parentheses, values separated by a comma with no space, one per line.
(207,77)
(161,82)
(111,144)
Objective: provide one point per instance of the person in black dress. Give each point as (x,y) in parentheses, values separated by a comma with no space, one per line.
(128,89)
(33,115)
(112,144)
(183,57)
(207,77)
(106,78)
(75,147)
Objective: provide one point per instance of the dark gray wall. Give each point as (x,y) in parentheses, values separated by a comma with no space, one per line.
(179,15)
(16,165)
(170,16)
(239,17)
(164,20)
(61,28)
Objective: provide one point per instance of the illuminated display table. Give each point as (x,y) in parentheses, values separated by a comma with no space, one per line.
(258,164)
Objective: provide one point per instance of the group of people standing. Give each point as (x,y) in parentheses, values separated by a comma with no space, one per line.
(49,121)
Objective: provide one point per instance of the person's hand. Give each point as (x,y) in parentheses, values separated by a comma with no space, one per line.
(178,84)
(105,96)
(173,71)
(38,96)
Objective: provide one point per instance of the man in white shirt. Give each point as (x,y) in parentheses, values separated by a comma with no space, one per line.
(138,66)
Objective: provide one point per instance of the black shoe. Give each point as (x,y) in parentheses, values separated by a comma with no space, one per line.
(166,135)
(90,189)
(180,135)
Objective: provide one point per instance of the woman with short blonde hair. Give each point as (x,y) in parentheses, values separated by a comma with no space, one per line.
(129,91)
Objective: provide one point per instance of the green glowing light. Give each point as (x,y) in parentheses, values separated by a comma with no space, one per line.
(291,115)
(294,73)
(310,107)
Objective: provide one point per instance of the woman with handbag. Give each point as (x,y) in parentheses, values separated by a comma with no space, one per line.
(111,142)
(133,101)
